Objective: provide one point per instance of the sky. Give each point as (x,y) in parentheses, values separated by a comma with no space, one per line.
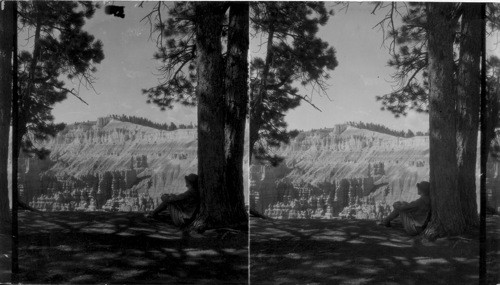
(362,74)
(129,66)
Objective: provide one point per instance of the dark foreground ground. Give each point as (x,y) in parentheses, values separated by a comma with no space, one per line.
(493,250)
(124,248)
(360,252)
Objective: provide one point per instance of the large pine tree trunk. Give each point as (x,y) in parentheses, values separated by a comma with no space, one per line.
(447,217)
(6,48)
(236,85)
(217,207)
(468,88)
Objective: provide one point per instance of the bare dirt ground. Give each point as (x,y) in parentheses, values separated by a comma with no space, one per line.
(360,252)
(493,250)
(124,248)
(89,248)
(5,261)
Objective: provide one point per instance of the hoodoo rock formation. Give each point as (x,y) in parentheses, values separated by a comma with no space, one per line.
(345,172)
(108,165)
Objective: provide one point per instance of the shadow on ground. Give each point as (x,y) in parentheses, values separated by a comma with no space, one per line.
(5,257)
(493,249)
(356,252)
(122,248)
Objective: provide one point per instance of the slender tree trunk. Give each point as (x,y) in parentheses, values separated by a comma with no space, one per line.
(257,101)
(447,217)
(492,113)
(236,85)
(6,49)
(23,109)
(468,88)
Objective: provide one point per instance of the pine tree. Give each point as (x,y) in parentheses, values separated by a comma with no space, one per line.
(60,48)
(201,71)
(409,134)
(172,127)
(294,54)
(447,86)
(493,93)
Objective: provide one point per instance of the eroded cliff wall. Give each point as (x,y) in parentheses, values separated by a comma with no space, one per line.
(344,152)
(160,159)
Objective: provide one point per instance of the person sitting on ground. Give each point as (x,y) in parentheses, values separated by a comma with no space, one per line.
(414,215)
(182,207)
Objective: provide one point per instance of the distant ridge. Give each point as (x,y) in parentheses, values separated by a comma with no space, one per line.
(385,130)
(379,128)
(102,121)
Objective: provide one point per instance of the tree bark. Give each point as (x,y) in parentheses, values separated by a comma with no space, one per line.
(6,49)
(236,86)
(447,217)
(216,209)
(468,88)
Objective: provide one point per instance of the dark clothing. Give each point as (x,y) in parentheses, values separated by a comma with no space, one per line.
(413,215)
(410,225)
(186,202)
(419,210)
(181,207)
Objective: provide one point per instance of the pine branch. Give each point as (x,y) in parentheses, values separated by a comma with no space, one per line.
(72,92)
(304,99)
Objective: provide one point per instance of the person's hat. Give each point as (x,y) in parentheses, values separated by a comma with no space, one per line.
(192,179)
(424,186)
